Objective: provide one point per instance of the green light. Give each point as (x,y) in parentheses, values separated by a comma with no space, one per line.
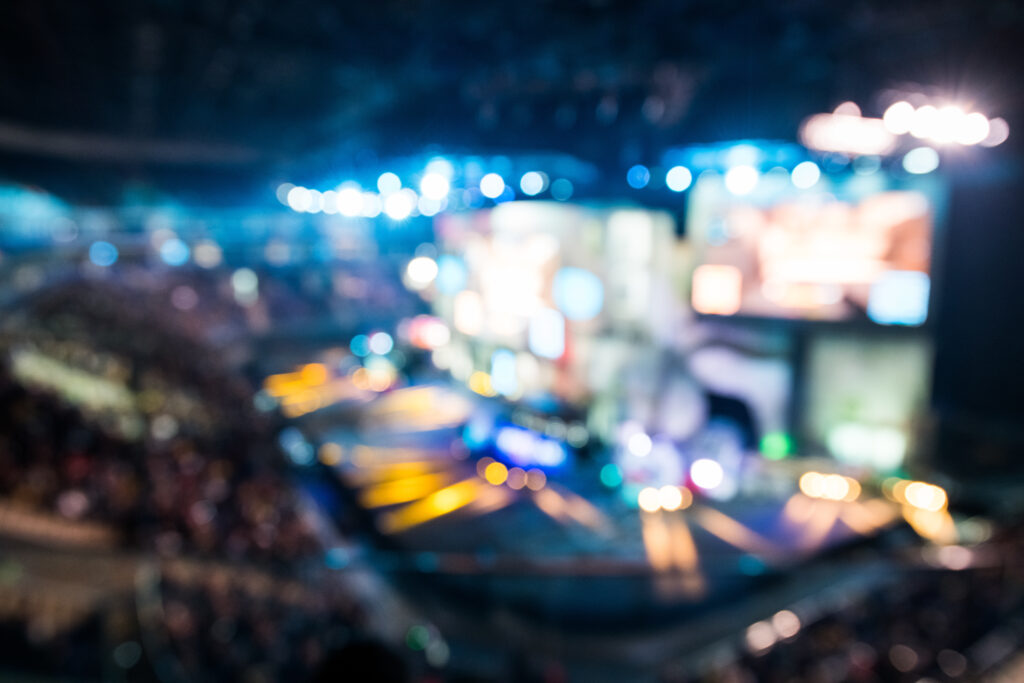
(775,445)
(417,638)
(611,475)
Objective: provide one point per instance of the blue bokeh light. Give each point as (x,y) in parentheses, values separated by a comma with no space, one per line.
(103,254)
(578,293)
(451,274)
(638,176)
(174,252)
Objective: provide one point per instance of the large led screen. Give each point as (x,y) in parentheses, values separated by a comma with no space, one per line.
(845,250)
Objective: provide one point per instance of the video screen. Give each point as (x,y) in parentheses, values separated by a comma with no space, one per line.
(850,251)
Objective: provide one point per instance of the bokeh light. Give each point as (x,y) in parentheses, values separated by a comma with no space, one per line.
(492,185)
(678,178)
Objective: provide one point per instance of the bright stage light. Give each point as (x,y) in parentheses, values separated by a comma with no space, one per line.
(421,271)
(741,180)
(388,183)
(854,135)
(532,183)
(299,199)
(578,293)
(999,131)
(648,500)
(468,313)
(492,185)
(441,167)
(431,207)
(924,122)
(546,336)
(811,484)
(678,178)
(372,205)
(925,496)
(434,186)
(973,129)
(639,444)
(673,498)
(503,372)
(316,201)
(921,160)
(948,122)
(399,205)
(899,297)
(706,473)
(834,487)
(349,201)
(330,202)
(717,289)
(496,473)
(806,175)
(381,343)
(899,118)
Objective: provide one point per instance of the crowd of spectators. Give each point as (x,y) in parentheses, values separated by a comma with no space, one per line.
(221,493)
(225,623)
(183,466)
(929,624)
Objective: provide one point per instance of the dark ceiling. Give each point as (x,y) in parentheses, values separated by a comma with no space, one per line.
(189,95)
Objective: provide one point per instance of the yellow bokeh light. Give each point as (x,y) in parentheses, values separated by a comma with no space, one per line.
(330,453)
(670,498)
(314,374)
(834,487)
(649,500)
(829,486)
(435,505)
(361,378)
(925,496)
(812,484)
(496,473)
(380,380)
(402,490)
(480,383)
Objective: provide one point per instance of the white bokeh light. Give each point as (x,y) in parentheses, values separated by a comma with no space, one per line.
(899,117)
(921,160)
(421,271)
(492,185)
(389,183)
(399,205)
(532,183)
(349,201)
(678,178)
(806,175)
(741,180)
(706,473)
(299,199)
(434,186)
